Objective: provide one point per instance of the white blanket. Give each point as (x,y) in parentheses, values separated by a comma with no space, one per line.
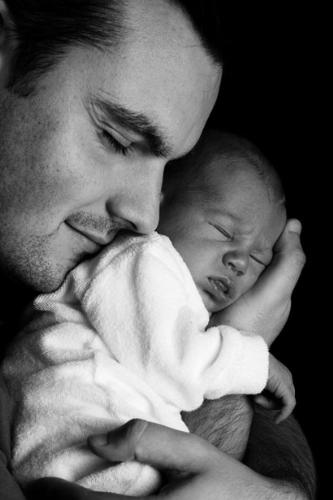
(124,337)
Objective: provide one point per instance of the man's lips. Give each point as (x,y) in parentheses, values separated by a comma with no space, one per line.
(97,239)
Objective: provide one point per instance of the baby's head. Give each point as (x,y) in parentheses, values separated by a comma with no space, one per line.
(223,210)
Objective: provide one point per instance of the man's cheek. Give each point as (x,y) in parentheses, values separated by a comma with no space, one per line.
(54,194)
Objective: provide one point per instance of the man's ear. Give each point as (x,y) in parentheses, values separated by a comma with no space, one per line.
(7,43)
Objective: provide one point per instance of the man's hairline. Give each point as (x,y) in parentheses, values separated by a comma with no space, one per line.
(108,43)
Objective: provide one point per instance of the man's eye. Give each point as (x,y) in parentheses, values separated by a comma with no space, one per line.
(116,145)
(258,261)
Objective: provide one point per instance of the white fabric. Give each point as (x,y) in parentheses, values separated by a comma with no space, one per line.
(124,337)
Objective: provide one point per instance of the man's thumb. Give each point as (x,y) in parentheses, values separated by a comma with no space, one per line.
(153,444)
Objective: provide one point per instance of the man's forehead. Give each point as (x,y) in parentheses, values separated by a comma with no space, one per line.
(162,80)
(180,77)
(170,129)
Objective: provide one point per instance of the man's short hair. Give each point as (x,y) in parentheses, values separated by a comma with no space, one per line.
(45,29)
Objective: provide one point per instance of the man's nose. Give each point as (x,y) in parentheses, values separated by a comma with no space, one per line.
(139,201)
(146,211)
(237,261)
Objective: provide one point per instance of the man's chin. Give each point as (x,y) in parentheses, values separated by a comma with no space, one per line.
(34,278)
(41,272)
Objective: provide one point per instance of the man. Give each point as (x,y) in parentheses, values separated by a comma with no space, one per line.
(95,98)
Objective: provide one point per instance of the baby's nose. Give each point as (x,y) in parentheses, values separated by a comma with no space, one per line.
(237,261)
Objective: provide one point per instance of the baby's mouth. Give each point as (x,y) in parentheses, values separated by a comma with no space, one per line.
(220,286)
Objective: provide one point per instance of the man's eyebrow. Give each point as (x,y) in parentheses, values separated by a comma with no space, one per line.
(137,122)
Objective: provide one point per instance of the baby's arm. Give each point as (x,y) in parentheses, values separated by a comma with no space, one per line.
(280,385)
(166,341)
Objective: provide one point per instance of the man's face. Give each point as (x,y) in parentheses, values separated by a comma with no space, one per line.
(225,240)
(84,156)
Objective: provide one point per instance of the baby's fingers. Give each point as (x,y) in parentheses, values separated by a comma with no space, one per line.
(289,402)
(266,402)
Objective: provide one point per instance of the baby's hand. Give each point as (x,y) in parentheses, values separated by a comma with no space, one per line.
(280,385)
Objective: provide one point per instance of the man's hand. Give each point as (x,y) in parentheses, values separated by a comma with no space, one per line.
(265,308)
(193,468)
(280,385)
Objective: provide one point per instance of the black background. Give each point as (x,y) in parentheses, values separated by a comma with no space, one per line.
(269,94)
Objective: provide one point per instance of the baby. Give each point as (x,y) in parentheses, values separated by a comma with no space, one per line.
(127,335)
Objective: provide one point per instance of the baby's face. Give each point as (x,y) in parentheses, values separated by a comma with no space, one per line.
(227,241)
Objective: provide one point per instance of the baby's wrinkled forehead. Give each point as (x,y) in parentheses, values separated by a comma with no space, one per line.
(221,156)
(221,165)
